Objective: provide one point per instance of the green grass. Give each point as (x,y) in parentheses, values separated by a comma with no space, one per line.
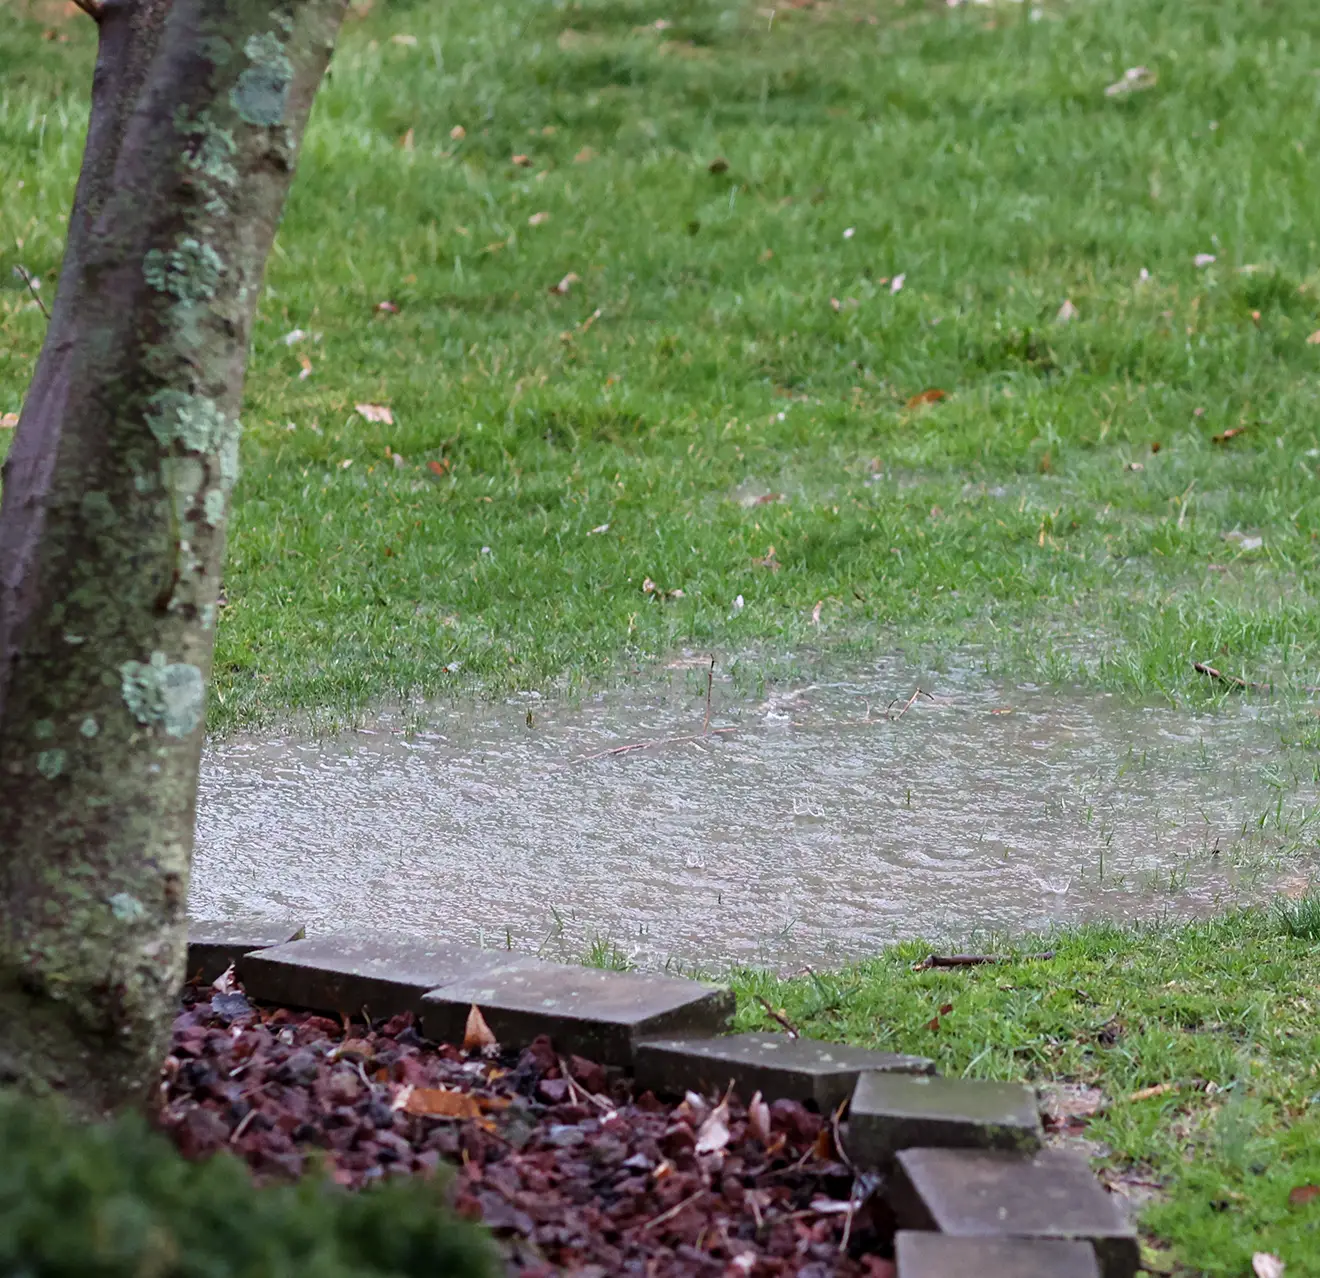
(972,150)
(700,362)
(1224,1011)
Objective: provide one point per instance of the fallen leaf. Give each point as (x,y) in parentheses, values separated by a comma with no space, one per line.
(1149,1093)
(1314,339)
(1155,445)
(1302,1195)
(522,161)
(815,612)
(386,308)
(896,284)
(376,413)
(758,1119)
(538,219)
(407,40)
(1133,81)
(1066,312)
(458,133)
(946,1009)
(1202,260)
(767,498)
(477,1034)
(406,142)
(599,528)
(933,1024)
(440,1102)
(438,467)
(293,337)
(713,1134)
(8,421)
(225,982)
(566,283)
(1231,433)
(1244,541)
(584,156)
(346,463)
(1265,1264)
(306,368)
(1135,466)
(718,165)
(932,395)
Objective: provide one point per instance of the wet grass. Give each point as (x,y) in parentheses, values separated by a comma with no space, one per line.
(735,335)
(1219,1015)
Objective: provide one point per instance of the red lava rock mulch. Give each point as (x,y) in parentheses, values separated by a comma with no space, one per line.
(570,1170)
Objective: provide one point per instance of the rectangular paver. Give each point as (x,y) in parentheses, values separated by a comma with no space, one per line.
(926,1255)
(344,973)
(897,1111)
(987,1194)
(597,1014)
(776,1065)
(213,944)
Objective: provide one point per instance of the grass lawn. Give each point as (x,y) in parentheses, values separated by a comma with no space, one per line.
(985,354)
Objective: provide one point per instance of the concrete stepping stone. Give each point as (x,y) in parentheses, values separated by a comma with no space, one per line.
(343,973)
(213,944)
(984,1194)
(897,1111)
(923,1255)
(597,1014)
(776,1065)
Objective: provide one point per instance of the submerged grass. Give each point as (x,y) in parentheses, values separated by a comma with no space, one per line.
(733,368)
(1220,1016)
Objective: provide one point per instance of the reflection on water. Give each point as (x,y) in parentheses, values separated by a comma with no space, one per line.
(819,829)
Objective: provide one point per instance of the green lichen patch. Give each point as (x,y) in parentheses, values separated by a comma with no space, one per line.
(89,727)
(191,271)
(191,421)
(50,763)
(127,908)
(164,694)
(261,95)
(213,506)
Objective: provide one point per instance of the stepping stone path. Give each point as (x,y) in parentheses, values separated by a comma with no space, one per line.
(775,1065)
(963,1174)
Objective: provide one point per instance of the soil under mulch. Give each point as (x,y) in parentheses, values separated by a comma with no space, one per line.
(571,1170)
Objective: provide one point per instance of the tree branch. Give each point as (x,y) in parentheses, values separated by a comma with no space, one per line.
(94,9)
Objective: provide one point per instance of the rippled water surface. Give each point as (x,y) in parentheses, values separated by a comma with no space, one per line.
(824,825)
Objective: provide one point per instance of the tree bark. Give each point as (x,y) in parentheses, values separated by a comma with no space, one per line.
(112,525)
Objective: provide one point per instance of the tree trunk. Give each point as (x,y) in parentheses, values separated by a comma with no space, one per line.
(112,524)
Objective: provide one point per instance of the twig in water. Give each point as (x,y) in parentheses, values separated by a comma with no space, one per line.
(911,701)
(26,277)
(779,1017)
(647,745)
(710,679)
(674,1210)
(1232,680)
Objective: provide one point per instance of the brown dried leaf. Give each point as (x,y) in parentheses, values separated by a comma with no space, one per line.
(1302,1195)
(458,133)
(8,421)
(538,219)
(477,1034)
(376,413)
(440,1102)
(932,395)
(522,161)
(713,1135)
(584,156)
(566,283)
(406,142)
(1231,433)
(1314,339)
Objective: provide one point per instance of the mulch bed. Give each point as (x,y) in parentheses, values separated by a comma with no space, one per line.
(571,1171)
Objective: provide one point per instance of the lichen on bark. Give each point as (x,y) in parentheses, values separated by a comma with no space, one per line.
(112,524)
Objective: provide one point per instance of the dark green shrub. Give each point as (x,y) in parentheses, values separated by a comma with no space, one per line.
(117,1201)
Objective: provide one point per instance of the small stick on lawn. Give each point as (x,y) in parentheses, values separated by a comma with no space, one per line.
(973,960)
(792,1029)
(647,745)
(31,287)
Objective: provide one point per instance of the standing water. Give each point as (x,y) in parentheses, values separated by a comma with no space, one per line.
(827,823)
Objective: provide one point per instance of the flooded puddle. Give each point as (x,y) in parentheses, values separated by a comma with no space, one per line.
(827,823)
